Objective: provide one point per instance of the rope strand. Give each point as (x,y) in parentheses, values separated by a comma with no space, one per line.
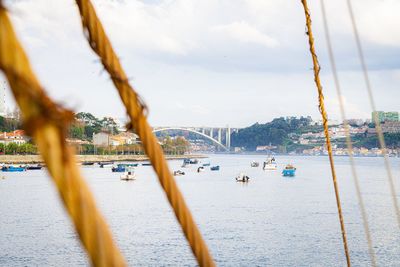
(47,123)
(325,124)
(135,108)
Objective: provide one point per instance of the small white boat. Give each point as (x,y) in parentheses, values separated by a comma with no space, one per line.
(242,177)
(179,173)
(254,164)
(128,176)
(270,164)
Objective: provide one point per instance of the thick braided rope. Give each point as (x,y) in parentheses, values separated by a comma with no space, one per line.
(99,42)
(378,126)
(349,144)
(47,123)
(325,123)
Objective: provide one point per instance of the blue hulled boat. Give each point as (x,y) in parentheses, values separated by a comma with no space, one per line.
(13,169)
(289,171)
(119,168)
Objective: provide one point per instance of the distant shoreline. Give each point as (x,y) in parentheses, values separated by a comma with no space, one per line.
(301,155)
(33,159)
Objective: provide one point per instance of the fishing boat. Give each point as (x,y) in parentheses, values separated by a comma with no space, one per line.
(254,164)
(146,164)
(270,164)
(206,164)
(87,163)
(118,168)
(13,169)
(289,170)
(186,161)
(200,169)
(106,164)
(34,167)
(179,173)
(128,175)
(215,168)
(193,161)
(242,178)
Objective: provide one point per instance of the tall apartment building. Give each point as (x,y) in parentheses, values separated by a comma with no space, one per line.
(385,116)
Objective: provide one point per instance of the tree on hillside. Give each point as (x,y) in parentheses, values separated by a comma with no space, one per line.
(87,124)
(108,124)
(275,132)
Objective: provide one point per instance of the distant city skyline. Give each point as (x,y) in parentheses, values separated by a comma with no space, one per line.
(211,62)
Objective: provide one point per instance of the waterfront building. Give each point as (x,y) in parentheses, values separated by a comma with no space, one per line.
(17,136)
(101,139)
(265,148)
(126,138)
(106,139)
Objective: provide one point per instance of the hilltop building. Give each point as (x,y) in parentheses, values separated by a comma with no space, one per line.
(385,116)
(392,116)
(357,122)
(387,127)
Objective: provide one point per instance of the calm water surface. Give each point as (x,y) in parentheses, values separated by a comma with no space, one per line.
(271,221)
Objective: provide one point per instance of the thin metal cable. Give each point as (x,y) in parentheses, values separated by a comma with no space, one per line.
(348,138)
(325,123)
(376,120)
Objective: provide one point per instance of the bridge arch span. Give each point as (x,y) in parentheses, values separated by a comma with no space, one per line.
(192,131)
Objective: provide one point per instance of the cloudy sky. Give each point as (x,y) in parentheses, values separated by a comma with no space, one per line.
(209,62)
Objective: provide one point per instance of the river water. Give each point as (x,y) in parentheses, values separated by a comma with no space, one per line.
(270,221)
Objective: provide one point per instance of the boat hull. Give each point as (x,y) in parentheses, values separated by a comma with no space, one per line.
(34,168)
(270,167)
(13,169)
(106,165)
(87,163)
(215,168)
(128,177)
(289,173)
(118,169)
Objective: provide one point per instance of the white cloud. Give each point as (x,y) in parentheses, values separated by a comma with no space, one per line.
(212,56)
(379,21)
(243,32)
(355,111)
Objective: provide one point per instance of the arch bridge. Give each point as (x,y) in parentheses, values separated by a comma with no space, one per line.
(220,136)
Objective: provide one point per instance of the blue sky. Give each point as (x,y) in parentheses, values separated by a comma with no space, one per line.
(209,62)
